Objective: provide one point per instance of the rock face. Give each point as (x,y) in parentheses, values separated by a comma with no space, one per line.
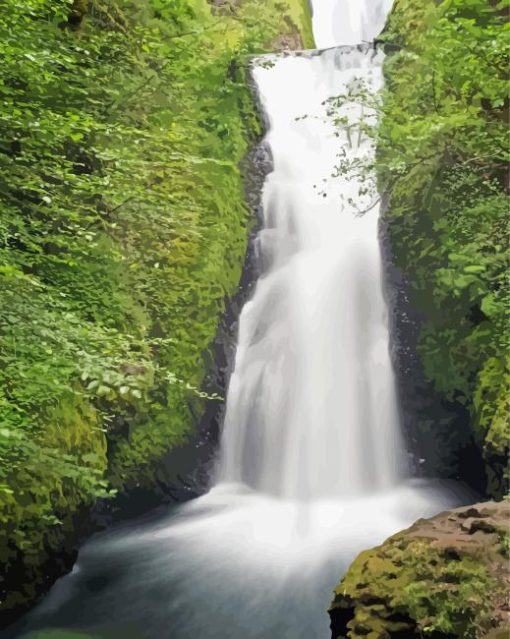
(442,578)
(290,41)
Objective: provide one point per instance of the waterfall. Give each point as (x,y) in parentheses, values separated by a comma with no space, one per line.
(311,408)
(348,22)
(310,466)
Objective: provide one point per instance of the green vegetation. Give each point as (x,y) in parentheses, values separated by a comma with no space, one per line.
(442,578)
(441,596)
(123,228)
(442,161)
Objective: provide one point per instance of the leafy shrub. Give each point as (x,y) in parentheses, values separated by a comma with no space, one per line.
(123,228)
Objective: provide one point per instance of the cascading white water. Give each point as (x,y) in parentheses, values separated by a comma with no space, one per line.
(312,409)
(309,471)
(343,22)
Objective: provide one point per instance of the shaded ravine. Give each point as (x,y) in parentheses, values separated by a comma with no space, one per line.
(310,469)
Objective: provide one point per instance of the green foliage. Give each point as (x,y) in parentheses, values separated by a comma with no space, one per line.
(458,609)
(444,577)
(122,229)
(442,597)
(443,157)
(491,408)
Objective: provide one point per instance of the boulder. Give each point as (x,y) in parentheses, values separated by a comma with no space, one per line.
(445,578)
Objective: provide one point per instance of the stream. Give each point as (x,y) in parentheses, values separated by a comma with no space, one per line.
(311,468)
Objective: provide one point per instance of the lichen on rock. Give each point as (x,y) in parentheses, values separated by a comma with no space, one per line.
(442,578)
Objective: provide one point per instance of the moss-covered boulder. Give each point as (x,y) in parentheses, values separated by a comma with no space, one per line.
(442,578)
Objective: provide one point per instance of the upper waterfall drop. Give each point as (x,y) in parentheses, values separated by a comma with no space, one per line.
(348,22)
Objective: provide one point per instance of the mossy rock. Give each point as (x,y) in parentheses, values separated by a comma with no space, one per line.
(443,578)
